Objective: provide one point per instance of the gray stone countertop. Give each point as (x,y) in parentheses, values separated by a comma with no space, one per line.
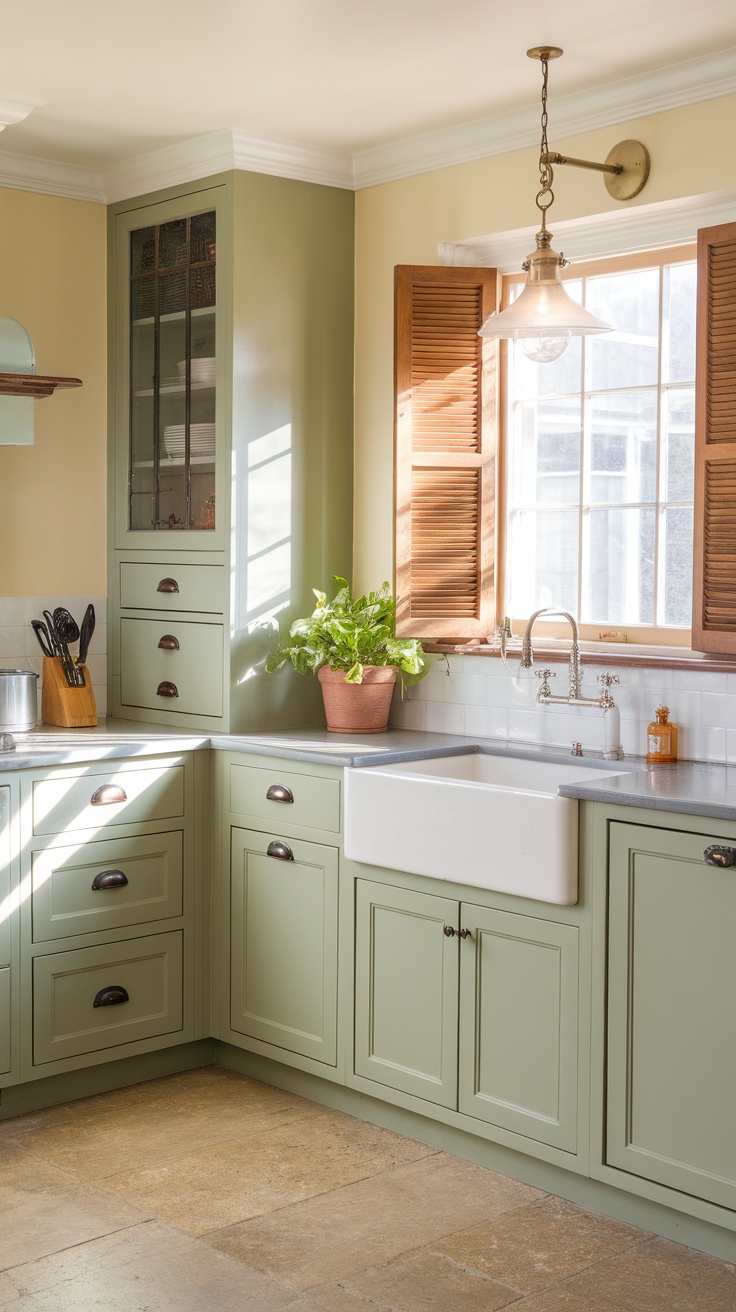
(695,788)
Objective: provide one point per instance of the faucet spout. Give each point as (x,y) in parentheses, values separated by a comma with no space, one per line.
(527,653)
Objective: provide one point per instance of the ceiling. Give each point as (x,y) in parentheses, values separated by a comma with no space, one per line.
(108,83)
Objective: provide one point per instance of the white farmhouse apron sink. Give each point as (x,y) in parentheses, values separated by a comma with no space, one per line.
(490,822)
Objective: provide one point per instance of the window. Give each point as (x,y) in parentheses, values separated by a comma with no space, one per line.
(599,450)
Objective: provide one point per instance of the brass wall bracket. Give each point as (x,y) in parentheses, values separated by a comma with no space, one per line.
(625,170)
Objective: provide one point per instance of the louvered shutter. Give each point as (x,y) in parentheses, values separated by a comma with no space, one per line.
(714,555)
(445,446)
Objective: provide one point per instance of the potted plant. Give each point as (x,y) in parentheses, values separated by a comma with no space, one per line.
(350,643)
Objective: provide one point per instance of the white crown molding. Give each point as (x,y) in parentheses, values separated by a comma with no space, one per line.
(695,80)
(13,109)
(23,173)
(219,151)
(645,227)
(682,84)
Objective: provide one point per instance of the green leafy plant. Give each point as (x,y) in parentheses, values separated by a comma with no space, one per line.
(349,633)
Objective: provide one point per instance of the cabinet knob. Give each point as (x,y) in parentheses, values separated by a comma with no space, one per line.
(716,855)
(111,996)
(108,795)
(168,585)
(168,643)
(280,850)
(448,931)
(167,689)
(279,793)
(109,879)
(465,933)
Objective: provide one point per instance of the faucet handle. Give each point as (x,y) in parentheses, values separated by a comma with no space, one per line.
(605,680)
(545,676)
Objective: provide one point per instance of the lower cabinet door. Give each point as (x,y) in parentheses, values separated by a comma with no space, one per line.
(94,998)
(406,991)
(519,1024)
(284,943)
(671,1070)
(5,1020)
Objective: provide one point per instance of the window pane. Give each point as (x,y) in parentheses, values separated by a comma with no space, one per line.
(626,357)
(542,560)
(678,323)
(678,566)
(618,566)
(545,455)
(623,448)
(679,444)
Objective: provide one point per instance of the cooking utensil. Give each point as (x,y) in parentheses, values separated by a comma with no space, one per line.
(42,634)
(60,648)
(18,701)
(85,633)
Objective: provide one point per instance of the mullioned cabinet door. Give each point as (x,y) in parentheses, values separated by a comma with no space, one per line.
(671,1082)
(284,943)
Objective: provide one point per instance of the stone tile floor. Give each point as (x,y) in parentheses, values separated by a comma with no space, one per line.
(208,1190)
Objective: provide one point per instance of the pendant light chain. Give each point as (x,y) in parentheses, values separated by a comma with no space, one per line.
(546,175)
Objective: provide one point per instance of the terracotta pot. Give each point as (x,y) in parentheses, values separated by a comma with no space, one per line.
(358,707)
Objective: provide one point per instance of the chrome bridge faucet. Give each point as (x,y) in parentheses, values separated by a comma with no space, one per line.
(573,698)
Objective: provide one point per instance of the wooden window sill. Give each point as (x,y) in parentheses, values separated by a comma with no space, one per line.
(680,658)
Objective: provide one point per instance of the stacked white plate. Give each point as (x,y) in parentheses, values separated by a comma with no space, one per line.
(202,370)
(201,440)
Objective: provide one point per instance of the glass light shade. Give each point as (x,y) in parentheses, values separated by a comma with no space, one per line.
(543,317)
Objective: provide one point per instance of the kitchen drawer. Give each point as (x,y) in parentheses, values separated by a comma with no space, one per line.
(145,973)
(107,885)
(308,801)
(98,798)
(189,662)
(186,587)
(4,1021)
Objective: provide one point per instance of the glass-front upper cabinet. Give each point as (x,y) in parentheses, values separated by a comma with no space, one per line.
(171,464)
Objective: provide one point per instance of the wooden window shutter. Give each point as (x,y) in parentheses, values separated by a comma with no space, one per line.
(714,546)
(445,449)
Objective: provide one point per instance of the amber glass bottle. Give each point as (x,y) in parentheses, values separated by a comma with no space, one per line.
(661,739)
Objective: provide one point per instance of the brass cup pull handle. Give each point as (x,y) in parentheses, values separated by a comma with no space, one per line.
(167,689)
(168,585)
(716,855)
(109,879)
(448,931)
(108,795)
(279,793)
(280,850)
(111,996)
(168,643)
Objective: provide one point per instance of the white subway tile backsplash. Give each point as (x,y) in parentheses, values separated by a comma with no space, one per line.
(499,701)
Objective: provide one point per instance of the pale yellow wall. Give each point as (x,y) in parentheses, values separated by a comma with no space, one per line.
(52,494)
(403,222)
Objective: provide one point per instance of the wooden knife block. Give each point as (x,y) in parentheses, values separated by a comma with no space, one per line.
(69,708)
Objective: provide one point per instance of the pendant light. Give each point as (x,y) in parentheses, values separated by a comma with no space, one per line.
(544,318)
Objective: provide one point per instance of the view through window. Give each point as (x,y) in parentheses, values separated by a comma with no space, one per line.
(599,457)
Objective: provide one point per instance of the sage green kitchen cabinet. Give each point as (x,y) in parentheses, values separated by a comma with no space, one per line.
(284,943)
(276,910)
(671,1039)
(9,916)
(231,367)
(469,1007)
(111,923)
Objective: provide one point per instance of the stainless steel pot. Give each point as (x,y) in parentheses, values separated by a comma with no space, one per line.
(18,701)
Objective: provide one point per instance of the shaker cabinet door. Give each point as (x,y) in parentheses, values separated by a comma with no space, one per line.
(671,1080)
(284,943)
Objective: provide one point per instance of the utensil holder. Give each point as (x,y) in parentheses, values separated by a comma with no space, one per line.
(68,708)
